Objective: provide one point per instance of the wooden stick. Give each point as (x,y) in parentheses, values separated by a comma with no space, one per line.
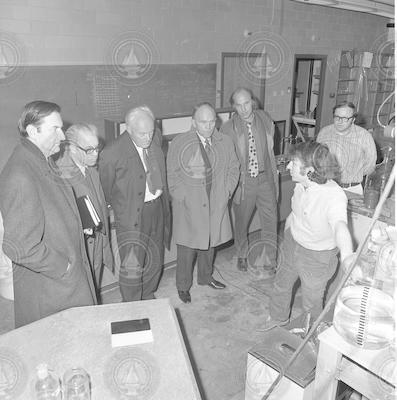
(327,306)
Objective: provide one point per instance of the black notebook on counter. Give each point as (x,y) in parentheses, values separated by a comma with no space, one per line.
(131,332)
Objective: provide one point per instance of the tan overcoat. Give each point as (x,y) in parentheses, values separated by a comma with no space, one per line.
(197,222)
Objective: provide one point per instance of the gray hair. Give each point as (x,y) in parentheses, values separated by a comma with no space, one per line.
(76,131)
(134,113)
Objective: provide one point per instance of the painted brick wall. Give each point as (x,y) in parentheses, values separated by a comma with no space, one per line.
(188,31)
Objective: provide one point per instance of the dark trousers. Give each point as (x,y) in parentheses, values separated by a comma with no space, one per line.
(185,264)
(95,259)
(140,275)
(259,192)
(314,268)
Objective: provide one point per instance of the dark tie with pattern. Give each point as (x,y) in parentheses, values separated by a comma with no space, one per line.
(153,177)
(253,169)
(207,146)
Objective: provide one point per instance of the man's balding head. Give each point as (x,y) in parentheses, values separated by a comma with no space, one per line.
(204,119)
(243,102)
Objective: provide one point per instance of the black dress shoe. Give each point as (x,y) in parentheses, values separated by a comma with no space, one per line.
(216,284)
(184,296)
(242,264)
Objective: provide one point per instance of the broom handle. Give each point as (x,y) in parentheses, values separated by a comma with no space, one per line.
(327,306)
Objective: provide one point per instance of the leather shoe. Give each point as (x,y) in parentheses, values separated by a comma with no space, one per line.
(184,296)
(242,264)
(216,284)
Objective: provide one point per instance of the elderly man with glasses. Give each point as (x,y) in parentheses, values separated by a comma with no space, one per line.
(352,145)
(77,165)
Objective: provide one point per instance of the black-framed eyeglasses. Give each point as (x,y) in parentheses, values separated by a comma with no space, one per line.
(342,119)
(89,151)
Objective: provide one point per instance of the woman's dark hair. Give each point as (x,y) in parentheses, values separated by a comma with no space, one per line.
(318,156)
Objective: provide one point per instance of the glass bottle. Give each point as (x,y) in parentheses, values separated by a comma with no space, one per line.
(76,383)
(376,181)
(47,386)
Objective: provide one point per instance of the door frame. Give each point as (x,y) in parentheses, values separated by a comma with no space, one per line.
(314,57)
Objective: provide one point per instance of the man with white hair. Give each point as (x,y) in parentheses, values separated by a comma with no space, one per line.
(132,172)
(77,165)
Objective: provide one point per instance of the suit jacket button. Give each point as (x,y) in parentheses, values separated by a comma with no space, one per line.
(141,176)
(138,209)
(135,225)
(140,194)
(204,205)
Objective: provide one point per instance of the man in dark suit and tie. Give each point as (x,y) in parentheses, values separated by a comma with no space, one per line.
(43,235)
(132,172)
(77,164)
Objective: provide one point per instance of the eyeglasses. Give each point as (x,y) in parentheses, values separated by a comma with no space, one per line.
(89,151)
(337,118)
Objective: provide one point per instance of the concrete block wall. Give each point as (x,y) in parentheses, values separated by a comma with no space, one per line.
(64,32)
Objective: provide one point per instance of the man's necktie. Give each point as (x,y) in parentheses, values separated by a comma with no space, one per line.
(253,169)
(207,146)
(209,151)
(149,172)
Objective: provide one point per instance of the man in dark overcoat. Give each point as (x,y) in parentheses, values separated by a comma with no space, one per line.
(43,235)
(133,177)
(77,163)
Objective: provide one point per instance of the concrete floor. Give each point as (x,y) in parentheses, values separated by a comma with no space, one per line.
(219,326)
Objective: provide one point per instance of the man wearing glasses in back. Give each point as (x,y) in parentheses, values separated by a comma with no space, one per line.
(352,145)
(77,165)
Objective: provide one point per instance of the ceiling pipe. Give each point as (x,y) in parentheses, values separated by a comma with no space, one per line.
(382,8)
